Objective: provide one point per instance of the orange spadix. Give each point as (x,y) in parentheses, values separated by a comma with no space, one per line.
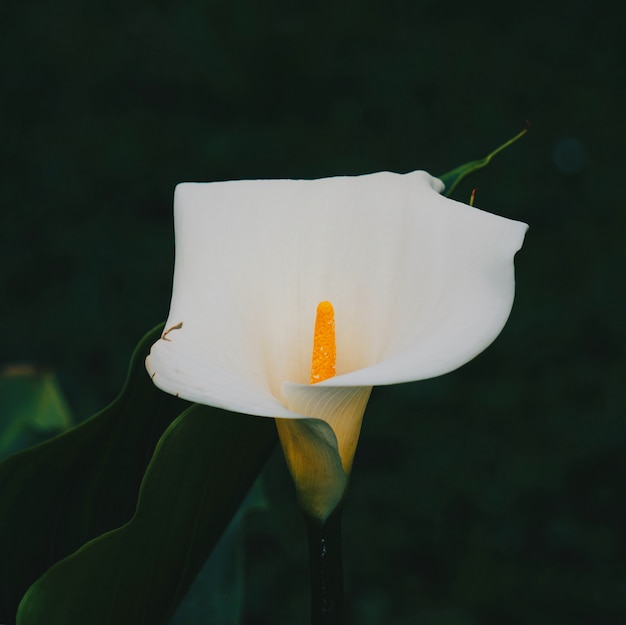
(324,360)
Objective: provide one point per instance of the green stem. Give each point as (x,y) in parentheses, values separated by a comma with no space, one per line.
(326,569)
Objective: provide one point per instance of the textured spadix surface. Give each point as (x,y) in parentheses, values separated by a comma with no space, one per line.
(420,284)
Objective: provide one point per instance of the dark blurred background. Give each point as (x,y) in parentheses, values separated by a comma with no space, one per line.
(492,495)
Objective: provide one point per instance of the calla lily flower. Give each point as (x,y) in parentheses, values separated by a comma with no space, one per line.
(419,284)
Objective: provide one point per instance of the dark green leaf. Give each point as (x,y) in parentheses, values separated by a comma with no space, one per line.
(452,178)
(201,469)
(56,496)
(217,593)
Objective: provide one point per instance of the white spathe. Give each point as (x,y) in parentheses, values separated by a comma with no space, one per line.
(420,285)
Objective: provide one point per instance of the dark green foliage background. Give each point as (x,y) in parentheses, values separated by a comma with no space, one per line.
(492,495)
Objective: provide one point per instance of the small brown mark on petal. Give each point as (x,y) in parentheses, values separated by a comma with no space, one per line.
(178,326)
(152,376)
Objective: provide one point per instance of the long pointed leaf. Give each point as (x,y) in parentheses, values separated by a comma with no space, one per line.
(452,178)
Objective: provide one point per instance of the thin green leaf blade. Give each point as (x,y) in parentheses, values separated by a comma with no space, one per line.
(452,178)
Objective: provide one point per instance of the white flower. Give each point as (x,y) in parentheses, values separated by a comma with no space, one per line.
(420,284)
